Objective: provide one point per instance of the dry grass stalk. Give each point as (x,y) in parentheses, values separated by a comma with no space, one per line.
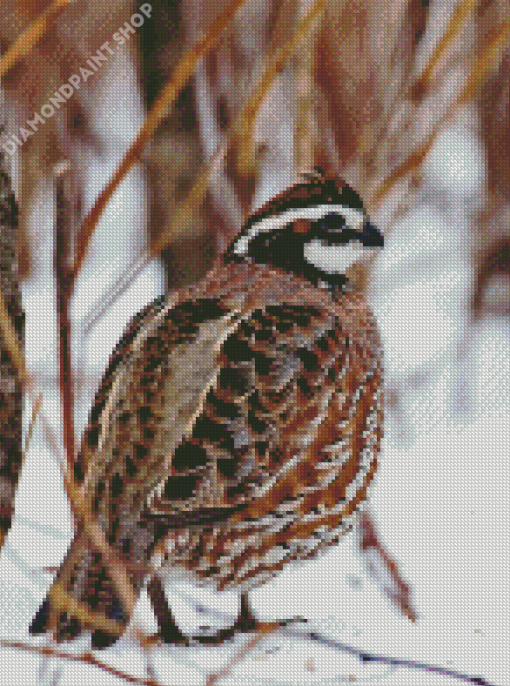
(34,31)
(159,110)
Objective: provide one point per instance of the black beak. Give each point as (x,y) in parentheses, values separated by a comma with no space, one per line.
(371,237)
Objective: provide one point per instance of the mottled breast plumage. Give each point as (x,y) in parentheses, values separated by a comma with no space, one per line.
(291,428)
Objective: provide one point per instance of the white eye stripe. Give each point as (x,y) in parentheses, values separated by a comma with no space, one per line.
(354,219)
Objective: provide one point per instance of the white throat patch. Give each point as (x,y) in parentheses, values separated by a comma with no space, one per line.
(333,259)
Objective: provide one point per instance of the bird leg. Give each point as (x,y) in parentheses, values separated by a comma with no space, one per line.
(170,633)
(245,622)
(167,626)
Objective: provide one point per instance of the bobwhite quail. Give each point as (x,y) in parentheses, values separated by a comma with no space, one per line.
(238,424)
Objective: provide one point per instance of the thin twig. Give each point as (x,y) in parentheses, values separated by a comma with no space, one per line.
(264,631)
(475,80)
(459,19)
(64,229)
(86,658)
(159,111)
(30,36)
(397,662)
(36,408)
(275,65)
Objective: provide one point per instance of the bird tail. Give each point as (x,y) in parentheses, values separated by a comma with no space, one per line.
(83,596)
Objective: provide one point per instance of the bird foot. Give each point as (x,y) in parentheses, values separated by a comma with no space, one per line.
(169,636)
(244,625)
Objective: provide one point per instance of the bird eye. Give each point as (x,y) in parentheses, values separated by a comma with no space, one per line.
(332,222)
(335,228)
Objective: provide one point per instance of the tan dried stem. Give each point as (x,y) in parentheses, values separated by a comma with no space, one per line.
(36,409)
(85,658)
(61,601)
(275,65)
(490,55)
(159,111)
(31,36)
(460,16)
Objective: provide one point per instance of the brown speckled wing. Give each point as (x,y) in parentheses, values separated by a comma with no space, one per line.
(118,358)
(149,396)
